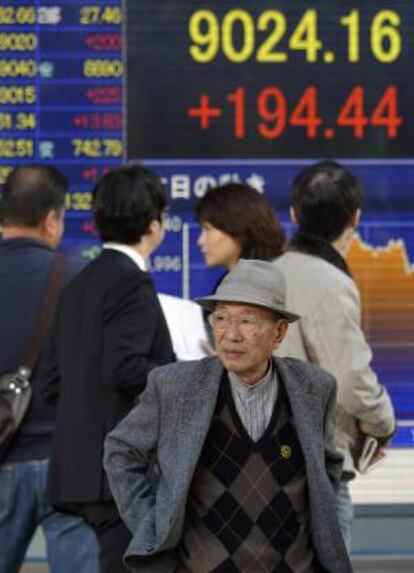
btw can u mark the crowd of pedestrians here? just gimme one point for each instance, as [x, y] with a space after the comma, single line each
[238, 462]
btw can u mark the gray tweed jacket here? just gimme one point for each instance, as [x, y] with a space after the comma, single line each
[172, 420]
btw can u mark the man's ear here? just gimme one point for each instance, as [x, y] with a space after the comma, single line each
[355, 219]
[51, 227]
[281, 330]
[154, 227]
[293, 216]
[155, 234]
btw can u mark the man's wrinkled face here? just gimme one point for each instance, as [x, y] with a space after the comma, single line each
[245, 336]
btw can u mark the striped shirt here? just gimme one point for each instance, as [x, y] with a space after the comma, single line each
[254, 402]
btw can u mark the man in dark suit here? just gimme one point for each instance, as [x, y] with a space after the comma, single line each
[244, 448]
[32, 215]
[109, 333]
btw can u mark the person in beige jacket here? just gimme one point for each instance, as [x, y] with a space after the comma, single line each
[326, 207]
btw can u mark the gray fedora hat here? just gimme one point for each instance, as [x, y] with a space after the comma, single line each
[255, 282]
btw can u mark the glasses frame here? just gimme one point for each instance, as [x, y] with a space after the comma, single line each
[248, 326]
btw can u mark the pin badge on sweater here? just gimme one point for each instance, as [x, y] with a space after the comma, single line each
[286, 452]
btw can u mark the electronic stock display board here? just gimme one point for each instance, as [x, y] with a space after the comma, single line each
[209, 92]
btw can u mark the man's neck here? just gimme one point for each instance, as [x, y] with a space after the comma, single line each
[22, 233]
[130, 251]
[141, 249]
[343, 242]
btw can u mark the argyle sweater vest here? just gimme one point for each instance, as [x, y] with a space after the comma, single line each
[247, 509]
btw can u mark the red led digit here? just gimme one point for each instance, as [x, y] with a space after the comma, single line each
[271, 105]
[238, 98]
[351, 113]
[305, 113]
[385, 114]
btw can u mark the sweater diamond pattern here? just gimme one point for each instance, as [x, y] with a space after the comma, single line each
[246, 506]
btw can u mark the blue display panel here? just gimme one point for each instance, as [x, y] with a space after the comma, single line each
[61, 74]
[291, 82]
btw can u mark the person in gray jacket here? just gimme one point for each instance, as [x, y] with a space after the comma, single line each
[327, 200]
[242, 445]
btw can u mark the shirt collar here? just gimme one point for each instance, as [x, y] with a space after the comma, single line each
[270, 375]
[129, 252]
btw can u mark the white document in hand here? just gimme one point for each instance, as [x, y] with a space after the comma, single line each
[186, 325]
[369, 449]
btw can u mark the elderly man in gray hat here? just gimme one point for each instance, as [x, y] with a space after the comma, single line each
[227, 464]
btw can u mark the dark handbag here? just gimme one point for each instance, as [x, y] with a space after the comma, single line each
[15, 388]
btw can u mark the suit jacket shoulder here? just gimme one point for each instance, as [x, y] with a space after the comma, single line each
[321, 279]
[110, 268]
[185, 379]
[107, 283]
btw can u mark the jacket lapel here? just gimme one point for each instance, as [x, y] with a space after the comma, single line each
[305, 404]
[195, 413]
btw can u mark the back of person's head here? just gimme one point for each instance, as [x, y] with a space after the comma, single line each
[246, 215]
[326, 197]
[125, 202]
[31, 192]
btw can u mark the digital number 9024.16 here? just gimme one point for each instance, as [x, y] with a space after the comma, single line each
[240, 37]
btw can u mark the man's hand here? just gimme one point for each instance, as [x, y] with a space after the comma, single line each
[379, 455]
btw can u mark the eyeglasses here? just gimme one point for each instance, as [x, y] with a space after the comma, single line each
[246, 325]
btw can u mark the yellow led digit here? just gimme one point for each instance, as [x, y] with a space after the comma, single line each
[352, 22]
[204, 32]
[25, 120]
[89, 15]
[5, 171]
[277, 22]
[386, 36]
[305, 36]
[6, 15]
[243, 19]
[25, 15]
[112, 147]
[80, 201]
[5, 121]
[29, 94]
[111, 15]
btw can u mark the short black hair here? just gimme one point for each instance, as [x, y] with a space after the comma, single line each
[30, 192]
[325, 197]
[247, 216]
[125, 202]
